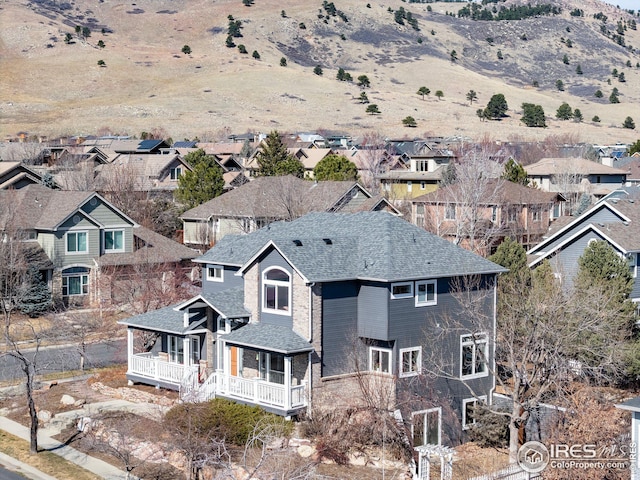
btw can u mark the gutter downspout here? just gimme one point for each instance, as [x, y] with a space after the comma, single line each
[310, 338]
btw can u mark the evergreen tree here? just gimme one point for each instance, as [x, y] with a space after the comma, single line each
[36, 298]
[449, 175]
[409, 121]
[497, 107]
[335, 167]
[363, 81]
[514, 172]
[510, 254]
[48, 181]
[423, 91]
[629, 123]
[201, 184]
[577, 115]
[583, 204]
[564, 112]
[634, 147]
[372, 109]
[317, 70]
[533, 115]
[275, 160]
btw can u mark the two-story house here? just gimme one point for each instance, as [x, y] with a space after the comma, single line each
[574, 177]
[83, 235]
[296, 315]
[267, 199]
[615, 220]
[489, 212]
[421, 174]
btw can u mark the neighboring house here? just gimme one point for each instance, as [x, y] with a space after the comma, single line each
[575, 176]
[267, 199]
[299, 315]
[150, 173]
[16, 175]
[309, 157]
[615, 221]
[489, 211]
[423, 175]
[81, 234]
[633, 406]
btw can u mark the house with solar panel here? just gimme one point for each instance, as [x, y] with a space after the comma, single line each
[297, 315]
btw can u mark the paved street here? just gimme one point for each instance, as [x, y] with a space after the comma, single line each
[63, 358]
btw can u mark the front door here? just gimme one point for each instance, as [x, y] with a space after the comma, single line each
[234, 362]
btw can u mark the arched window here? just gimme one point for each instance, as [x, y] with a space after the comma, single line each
[276, 291]
[75, 281]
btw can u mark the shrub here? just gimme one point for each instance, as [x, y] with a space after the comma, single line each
[255, 55]
[598, 94]
[317, 70]
[596, 119]
[222, 418]
[409, 121]
[101, 63]
[186, 50]
[283, 62]
[629, 123]
[242, 48]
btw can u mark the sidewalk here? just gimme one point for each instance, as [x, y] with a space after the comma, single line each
[94, 465]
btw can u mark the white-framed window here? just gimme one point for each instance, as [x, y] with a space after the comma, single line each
[194, 350]
[450, 211]
[75, 281]
[175, 173]
[276, 291]
[474, 351]
[76, 242]
[272, 367]
[114, 241]
[469, 410]
[410, 361]
[402, 290]
[426, 426]
[176, 349]
[512, 215]
[380, 359]
[409, 186]
[536, 214]
[426, 293]
[387, 186]
[633, 264]
[215, 273]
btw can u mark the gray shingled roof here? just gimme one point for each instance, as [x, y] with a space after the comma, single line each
[166, 319]
[228, 303]
[364, 245]
[632, 404]
[265, 336]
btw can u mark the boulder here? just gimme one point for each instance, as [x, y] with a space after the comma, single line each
[67, 400]
[44, 415]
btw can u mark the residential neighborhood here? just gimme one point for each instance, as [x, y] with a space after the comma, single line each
[403, 285]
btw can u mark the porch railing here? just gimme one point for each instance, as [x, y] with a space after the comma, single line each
[260, 392]
[146, 365]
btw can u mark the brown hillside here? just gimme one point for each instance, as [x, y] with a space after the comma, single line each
[50, 87]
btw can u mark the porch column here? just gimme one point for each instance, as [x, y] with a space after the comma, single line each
[186, 352]
[287, 382]
[129, 348]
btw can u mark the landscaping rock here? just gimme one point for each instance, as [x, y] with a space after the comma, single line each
[306, 451]
[67, 400]
[44, 416]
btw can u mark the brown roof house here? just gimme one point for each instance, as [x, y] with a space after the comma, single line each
[479, 217]
[575, 176]
[267, 199]
[15, 175]
[90, 245]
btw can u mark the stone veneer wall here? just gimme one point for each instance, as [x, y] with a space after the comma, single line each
[300, 307]
[251, 285]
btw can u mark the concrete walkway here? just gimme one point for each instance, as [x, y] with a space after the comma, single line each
[94, 465]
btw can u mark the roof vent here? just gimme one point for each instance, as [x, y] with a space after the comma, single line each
[625, 223]
[614, 200]
[631, 200]
[328, 241]
[297, 243]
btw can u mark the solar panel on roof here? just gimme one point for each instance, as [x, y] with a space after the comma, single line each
[148, 144]
[185, 144]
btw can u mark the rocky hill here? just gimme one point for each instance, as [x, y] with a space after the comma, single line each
[86, 67]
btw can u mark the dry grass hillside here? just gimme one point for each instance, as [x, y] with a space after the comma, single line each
[50, 87]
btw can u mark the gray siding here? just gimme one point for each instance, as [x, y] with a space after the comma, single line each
[565, 262]
[104, 214]
[373, 311]
[230, 280]
[604, 215]
[339, 318]
[635, 292]
[274, 259]
[78, 223]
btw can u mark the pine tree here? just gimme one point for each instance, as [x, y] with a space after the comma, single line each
[274, 159]
[514, 172]
[36, 298]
